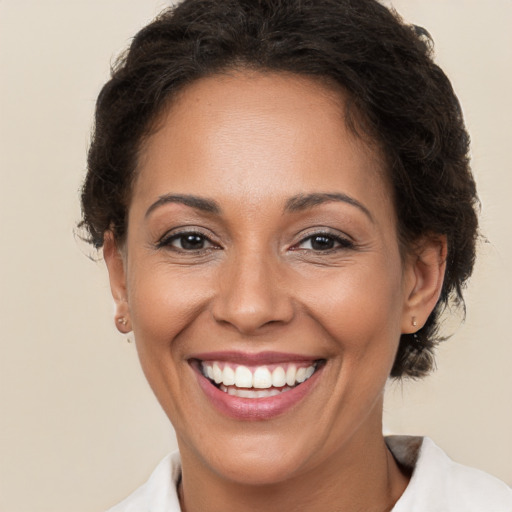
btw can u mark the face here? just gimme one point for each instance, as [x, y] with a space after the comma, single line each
[262, 276]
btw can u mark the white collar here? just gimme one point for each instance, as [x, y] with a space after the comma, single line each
[437, 484]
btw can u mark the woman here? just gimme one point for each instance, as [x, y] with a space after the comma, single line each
[283, 197]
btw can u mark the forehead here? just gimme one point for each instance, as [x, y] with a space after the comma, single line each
[257, 136]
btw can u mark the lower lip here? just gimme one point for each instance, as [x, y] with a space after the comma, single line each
[256, 409]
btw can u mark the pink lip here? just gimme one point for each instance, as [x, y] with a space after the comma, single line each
[256, 409]
[261, 358]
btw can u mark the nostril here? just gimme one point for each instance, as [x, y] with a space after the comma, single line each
[248, 320]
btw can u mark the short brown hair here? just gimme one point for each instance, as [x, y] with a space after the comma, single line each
[385, 66]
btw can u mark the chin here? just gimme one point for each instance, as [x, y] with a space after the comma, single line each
[258, 463]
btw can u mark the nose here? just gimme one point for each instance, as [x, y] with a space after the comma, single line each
[252, 294]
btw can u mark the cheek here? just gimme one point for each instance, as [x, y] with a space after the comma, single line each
[164, 304]
[359, 305]
[164, 307]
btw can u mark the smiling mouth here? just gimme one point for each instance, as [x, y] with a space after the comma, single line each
[257, 381]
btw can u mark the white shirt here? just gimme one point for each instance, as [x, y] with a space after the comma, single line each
[437, 484]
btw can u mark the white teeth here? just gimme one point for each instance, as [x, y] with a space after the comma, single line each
[301, 375]
[252, 393]
[290, 374]
[228, 376]
[217, 373]
[262, 378]
[278, 377]
[243, 377]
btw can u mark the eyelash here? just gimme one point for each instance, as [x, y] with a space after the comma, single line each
[167, 240]
[342, 243]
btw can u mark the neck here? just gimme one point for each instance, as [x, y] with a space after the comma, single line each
[362, 475]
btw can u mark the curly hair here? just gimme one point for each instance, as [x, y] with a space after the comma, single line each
[384, 65]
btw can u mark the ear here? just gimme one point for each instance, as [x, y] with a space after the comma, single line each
[424, 276]
[116, 263]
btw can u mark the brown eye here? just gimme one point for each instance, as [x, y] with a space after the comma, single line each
[188, 241]
[324, 242]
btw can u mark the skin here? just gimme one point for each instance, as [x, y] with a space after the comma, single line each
[250, 142]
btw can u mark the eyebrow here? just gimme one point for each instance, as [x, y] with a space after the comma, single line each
[199, 203]
[296, 203]
[303, 202]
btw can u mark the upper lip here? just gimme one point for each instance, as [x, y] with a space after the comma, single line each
[247, 358]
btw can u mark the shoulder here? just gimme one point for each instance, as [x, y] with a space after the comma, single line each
[439, 484]
[158, 494]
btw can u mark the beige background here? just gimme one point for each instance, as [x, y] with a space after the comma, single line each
[79, 428]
